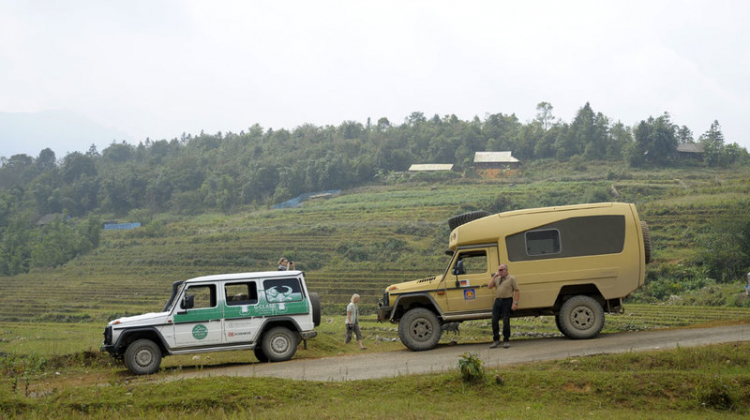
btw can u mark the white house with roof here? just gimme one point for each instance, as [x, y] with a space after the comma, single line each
[495, 160]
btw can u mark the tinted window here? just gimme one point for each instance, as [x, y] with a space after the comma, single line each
[204, 296]
[574, 237]
[241, 293]
[283, 290]
[543, 242]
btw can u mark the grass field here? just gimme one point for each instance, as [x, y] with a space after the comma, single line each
[705, 382]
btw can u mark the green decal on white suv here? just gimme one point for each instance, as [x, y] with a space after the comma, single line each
[266, 309]
[200, 332]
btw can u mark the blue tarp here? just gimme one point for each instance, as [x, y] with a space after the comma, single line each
[297, 201]
[121, 226]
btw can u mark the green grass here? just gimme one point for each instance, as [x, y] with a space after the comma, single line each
[704, 382]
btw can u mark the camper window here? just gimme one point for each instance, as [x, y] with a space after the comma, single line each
[543, 242]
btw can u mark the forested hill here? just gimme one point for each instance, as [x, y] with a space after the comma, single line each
[221, 171]
[226, 172]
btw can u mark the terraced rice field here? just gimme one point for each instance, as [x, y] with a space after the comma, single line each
[359, 242]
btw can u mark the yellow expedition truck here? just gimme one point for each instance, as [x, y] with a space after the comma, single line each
[574, 262]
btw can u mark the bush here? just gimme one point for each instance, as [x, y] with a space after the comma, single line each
[471, 368]
[726, 244]
[717, 394]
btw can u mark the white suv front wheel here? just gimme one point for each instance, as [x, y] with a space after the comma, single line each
[142, 357]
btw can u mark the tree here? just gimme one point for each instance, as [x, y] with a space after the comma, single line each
[544, 114]
[725, 245]
[684, 135]
[713, 144]
[15, 247]
[655, 141]
[18, 170]
[383, 124]
[415, 118]
[621, 137]
[498, 129]
[76, 165]
[46, 160]
[118, 153]
[579, 134]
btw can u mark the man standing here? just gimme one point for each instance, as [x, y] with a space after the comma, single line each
[506, 299]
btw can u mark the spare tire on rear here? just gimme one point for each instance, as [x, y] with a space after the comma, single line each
[315, 304]
[461, 219]
[646, 241]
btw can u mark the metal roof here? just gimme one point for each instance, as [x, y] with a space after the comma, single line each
[494, 157]
[690, 148]
[420, 167]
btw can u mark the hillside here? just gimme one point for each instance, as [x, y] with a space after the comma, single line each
[367, 238]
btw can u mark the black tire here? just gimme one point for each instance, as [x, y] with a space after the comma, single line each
[581, 317]
[646, 241]
[142, 357]
[279, 344]
[461, 219]
[315, 304]
[419, 329]
[258, 351]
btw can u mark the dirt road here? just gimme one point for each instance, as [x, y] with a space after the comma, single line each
[405, 362]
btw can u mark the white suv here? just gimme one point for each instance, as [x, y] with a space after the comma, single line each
[268, 312]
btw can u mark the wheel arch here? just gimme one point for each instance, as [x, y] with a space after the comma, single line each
[589, 289]
[127, 337]
[410, 301]
[289, 323]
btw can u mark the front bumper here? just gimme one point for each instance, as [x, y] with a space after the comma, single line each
[107, 344]
[384, 312]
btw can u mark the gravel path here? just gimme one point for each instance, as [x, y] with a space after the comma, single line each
[443, 358]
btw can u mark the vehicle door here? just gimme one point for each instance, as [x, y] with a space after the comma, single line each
[467, 277]
[198, 317]
[241, 315]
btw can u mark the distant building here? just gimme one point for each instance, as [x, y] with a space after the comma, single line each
[689, 151]
[495, 160]
[49, 218]
[431, 167]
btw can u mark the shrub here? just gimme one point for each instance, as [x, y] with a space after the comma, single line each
[717, 394]
[471, 368]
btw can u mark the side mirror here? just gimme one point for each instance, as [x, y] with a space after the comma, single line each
[188, 302]
[459, 268]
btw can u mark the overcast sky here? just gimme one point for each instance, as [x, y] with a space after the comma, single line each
[159, 68]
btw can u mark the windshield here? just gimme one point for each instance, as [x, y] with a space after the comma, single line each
[176, 290]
